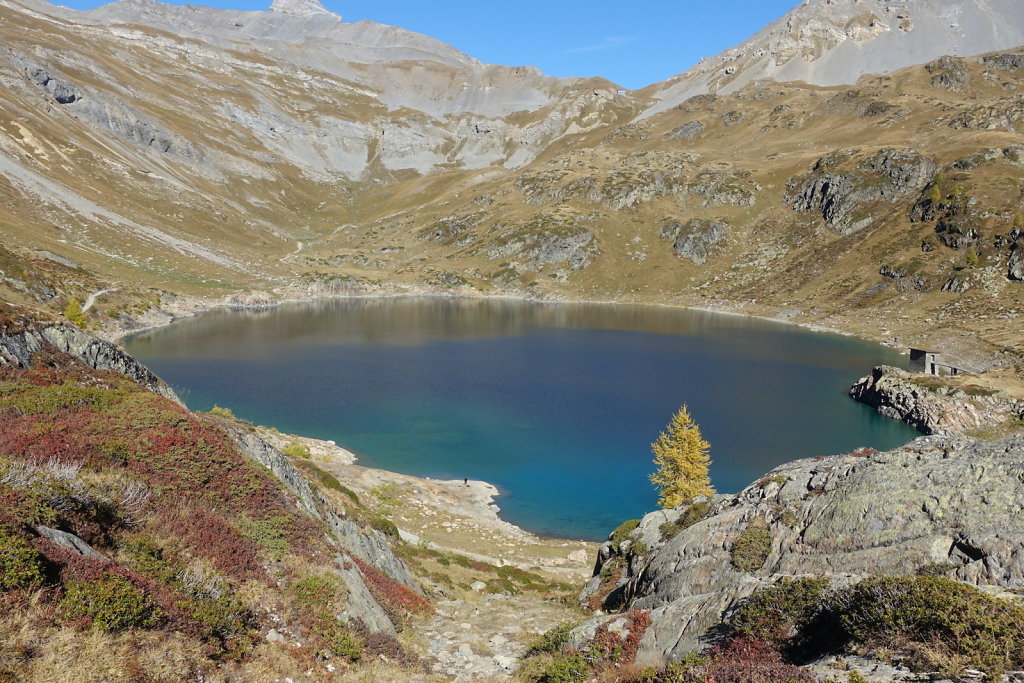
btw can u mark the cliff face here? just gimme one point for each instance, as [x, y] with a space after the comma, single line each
[951, 502]
[16, 349]
[931, 407]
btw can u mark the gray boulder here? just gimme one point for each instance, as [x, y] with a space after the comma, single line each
[263, 452]
[1015, 266]
[687, 131]
[1004, 62]
[371, 546]
[359, 601]
[949, 72]
[69, 541]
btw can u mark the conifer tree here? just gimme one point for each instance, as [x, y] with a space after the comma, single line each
[681, 456]
[73, 312]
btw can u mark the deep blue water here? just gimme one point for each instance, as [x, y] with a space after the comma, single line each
[556, 404]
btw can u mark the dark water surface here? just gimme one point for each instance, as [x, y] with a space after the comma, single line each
[556, 404]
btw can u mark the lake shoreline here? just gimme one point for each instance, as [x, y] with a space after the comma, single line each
[256, 302]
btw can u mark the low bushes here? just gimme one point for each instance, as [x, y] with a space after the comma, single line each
[689, 517]
[549, 660]
[750, 550]
[20, 564]
[937, 623]
[110, 603]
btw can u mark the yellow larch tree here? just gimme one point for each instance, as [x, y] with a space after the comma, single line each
[681, 457]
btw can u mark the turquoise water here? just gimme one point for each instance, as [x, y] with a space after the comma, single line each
[556, 404]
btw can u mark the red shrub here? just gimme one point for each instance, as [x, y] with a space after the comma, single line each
[207, 535]
[744, 659]
[400, 601]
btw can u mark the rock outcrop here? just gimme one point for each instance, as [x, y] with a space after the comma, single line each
[845, 197]
[17, 349]
[930, 406]
[696, 238]
[940, 501]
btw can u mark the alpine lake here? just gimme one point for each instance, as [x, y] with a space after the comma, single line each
[555, 404]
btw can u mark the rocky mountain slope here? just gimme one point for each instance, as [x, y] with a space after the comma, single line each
[153, 151]
[835, 42]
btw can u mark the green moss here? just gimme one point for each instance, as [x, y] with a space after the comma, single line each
[750, 550]
[316, 591]
[111, 602]
[21, 565]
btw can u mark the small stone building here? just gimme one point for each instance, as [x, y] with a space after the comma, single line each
[931, 363]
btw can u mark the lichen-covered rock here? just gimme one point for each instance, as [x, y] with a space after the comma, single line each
[69, 541]
[1004, 62]
[359, 601]
[845, 196]
[905, 281]
[938, 500]
[923, 402]
[1015, 265]
[696, 238]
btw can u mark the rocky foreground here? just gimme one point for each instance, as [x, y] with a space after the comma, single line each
[947, 505]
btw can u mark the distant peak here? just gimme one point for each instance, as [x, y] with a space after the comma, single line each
[300, 8]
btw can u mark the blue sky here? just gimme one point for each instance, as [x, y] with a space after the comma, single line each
[632, 44]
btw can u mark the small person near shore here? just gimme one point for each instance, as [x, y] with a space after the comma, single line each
[465, 480]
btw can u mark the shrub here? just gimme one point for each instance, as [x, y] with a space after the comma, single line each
[779, 612]
[744, 659]
[385, 526]
[693, 514]
[225, 413]
[317, 591]
[552, 640]
[397, 600]
[750, 550]
[111, 603]
[270, 533]
[956, 624]
[295, 449]
[20, 564]
[622, 532]
[567, 668]
[337, 636]
[223, 617]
